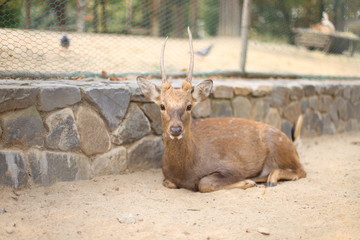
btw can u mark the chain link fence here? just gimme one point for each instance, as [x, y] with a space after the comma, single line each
[117, 38]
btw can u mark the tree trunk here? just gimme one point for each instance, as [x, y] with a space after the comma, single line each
[339, 15]
[165, 17]
[194, 15]
[155, 24]
[95, 13]
[229, 18]
[59, 6]
[321, 9]
[80, 15]
[28, 13]
[287, 19]
[104, 16]
[128, 15]
[178, 18]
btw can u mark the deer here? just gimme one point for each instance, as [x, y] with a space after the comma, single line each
[212, 154]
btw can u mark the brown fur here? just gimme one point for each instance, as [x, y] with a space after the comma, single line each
[219, 153]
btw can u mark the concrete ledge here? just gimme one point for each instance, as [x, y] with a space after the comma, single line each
[65, 130]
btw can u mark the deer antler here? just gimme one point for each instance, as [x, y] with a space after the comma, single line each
[162, 67]
[191, 66]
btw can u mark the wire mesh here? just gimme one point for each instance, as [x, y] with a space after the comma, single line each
[60, 37]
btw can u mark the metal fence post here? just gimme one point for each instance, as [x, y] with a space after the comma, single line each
[245, 25]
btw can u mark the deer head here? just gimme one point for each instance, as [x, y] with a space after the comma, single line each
[176, 104]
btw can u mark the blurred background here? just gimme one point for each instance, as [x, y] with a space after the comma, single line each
[124, 37]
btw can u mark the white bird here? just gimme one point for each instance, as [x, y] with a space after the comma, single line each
[326, 22]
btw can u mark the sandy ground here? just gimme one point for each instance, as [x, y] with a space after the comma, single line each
[31, 50]
[325, 205]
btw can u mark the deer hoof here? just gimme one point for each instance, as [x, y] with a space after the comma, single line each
[251, 182]
[167, 183]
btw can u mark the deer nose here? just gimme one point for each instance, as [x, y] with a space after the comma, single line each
[176, 131]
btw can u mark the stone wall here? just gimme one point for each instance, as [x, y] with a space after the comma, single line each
[63, 130]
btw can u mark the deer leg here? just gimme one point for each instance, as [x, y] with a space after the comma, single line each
[260, 179]
[284, 174]
[216, 181]
[167, 183]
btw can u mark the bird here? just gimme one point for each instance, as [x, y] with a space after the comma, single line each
[204, 51]
[327, 23]
[65, 41]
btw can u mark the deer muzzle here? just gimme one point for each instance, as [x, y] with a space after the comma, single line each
[176, 131]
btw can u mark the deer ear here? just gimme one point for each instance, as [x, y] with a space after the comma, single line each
[202, 90]
[150, 90]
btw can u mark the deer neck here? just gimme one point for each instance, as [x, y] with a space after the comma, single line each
[179, 151]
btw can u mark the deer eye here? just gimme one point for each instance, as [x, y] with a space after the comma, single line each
[162, 107]
[188, 108]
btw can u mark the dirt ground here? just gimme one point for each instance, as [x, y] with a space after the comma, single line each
[325, 205]
[32, 50]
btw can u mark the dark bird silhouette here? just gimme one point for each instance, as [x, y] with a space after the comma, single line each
[65, 41]
[204, 51]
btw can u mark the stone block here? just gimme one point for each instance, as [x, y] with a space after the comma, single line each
[355, 94]
[280, 97]
[344, 92]
[329, 89]
[53, 97]
[112, 162]
[313, 123]
[221, 108]
[314, 103]
[342, 108]
[296, 93]
[63, 134]
[202, 109]
[325, 102]
[287, 127]
[261, 106]
[223, 92]
[309, 90]
[152, 111]
[24, 127]
[133, 127]
[292, 112]
[136, 94]
[111, 102]
[304, 103]
[328, 125]
[261, 91]
[145, 153]
[242, 107]
[357, 111]
[242, 91]
[94, 137]
[12, 169]
[15, 97]
[273, 118]
[351, 109]
[334, 114]
[49, 167]
[352, 125]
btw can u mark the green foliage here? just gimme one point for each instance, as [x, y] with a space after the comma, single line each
[209, 12]
[10, 13]
[271, 19]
